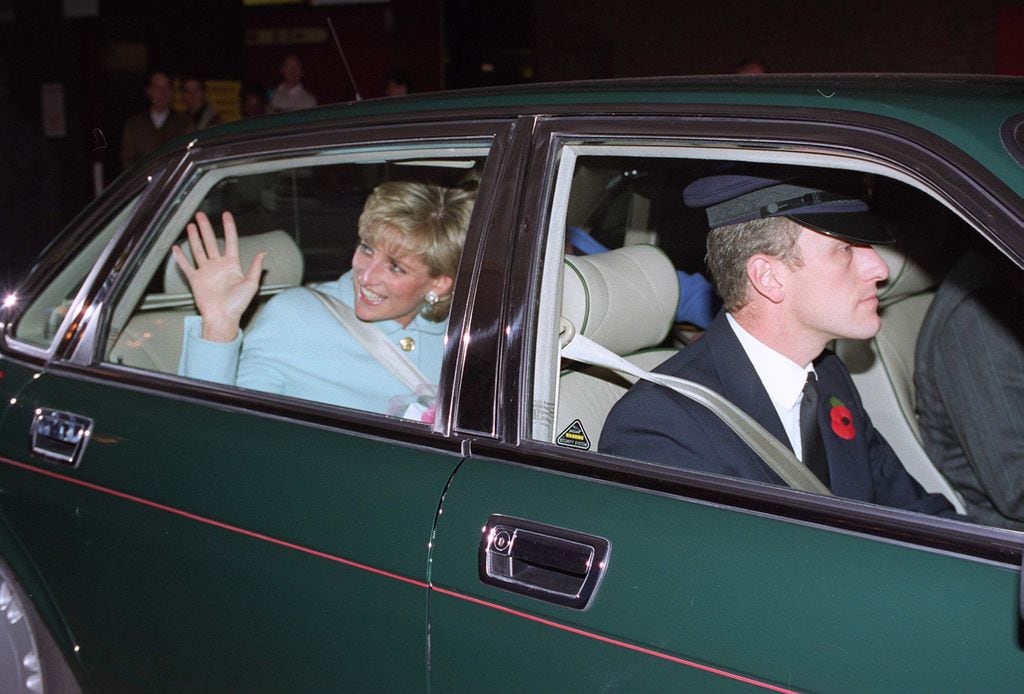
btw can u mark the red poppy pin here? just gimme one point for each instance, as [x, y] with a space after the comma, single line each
[842, 419]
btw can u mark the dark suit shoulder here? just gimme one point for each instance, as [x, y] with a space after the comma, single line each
[693, 363]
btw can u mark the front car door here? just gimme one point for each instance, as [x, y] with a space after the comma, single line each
[564, 569]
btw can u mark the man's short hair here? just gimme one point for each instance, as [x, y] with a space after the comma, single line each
[729, 248]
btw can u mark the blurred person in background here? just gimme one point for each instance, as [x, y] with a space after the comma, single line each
[397, 84]
[146, 131]
[254, 101]
[750, 66]
[290, 95]
[202, 113]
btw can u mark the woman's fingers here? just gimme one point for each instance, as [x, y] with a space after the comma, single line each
[252, 275]
[211, 267]
[195, 245]
[210, 246]
[230, 235]
[182, 262]
[202, 238]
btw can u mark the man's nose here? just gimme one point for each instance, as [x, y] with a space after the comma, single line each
[874, 268]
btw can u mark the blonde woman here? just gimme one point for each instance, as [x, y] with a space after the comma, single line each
[400, 284]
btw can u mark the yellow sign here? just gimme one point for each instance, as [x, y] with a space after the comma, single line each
[224, 95]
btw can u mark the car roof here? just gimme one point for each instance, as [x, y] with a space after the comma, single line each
[968, 111]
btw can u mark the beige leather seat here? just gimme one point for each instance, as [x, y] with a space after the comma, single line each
[883, 367]
[152, 338]
[625, 300]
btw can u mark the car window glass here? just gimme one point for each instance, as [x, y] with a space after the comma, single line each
[628, 200]
[304, 215]
[44, 316]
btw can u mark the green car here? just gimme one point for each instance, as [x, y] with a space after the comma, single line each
[170, 532]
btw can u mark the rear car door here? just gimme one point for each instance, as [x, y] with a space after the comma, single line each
[192, 536]
[563, 569]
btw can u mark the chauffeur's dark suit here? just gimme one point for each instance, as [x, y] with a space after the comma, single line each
[655, 424]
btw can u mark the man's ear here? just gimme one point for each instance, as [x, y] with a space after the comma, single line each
[764, 278]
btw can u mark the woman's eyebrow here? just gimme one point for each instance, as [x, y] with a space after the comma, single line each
[395, 252]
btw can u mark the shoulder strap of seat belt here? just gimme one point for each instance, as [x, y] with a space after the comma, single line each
[377, 344]
[767, 447]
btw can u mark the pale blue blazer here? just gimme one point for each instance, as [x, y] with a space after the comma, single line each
[297, 348]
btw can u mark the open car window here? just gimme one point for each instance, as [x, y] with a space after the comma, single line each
[655, 298]
[303, 212]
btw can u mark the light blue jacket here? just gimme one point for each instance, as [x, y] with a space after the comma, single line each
[297, 348]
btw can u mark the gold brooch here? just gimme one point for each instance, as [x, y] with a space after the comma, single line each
[407, 344]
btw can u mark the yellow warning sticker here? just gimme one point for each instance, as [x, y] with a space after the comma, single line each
[574, 437]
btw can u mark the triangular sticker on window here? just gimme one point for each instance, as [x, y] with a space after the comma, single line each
[574, 436]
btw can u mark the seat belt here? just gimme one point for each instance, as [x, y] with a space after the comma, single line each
[378, 346]
[768, 448]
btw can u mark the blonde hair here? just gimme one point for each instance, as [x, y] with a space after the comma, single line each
[431, 222]
[729, 248]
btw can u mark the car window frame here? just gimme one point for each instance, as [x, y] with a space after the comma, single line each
[85, 358]
[128, 196]
[902, 151]
[207, 174]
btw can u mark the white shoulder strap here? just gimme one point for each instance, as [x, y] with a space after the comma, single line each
[378, 345]
[765, 446]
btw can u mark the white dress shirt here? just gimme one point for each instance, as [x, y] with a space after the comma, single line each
[782, 377]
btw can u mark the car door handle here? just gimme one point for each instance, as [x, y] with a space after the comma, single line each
[60, 436]
[548, 563]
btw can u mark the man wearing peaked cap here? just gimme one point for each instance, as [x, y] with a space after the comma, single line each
[732, 199]
[795, 269]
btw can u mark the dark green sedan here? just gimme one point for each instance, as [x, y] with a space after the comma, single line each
[170, 532]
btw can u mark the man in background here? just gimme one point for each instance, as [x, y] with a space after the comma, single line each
[290, 95]
[201, 111]
[146, 131]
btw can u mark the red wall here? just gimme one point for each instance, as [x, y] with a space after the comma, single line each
[1010, 40]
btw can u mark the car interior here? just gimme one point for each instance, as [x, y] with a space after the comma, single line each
[305, 217]
[626, 198]
[636, 202]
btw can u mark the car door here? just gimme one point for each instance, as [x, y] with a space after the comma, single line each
[562, 569]
[198, 537]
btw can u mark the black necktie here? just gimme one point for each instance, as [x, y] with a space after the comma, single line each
[810, 433]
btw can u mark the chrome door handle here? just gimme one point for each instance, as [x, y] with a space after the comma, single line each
[553, 564]
[60, 436]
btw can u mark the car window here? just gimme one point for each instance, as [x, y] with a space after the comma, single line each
[625, 266]
[42, 319]
[344, 317]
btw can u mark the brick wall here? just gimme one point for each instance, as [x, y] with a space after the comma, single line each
[576, 39]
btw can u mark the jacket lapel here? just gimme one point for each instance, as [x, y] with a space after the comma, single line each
[843, 429]
[741, 384]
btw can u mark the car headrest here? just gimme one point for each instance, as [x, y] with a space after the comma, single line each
[624, 299]
[283, 266]
[910, 273]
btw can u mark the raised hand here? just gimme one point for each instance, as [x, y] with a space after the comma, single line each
[220, 289]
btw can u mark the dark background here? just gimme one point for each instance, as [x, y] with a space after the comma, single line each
[100, 51]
